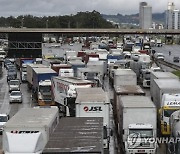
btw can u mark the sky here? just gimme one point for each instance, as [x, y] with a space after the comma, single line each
[67, 7]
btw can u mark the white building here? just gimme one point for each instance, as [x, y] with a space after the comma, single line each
[172, 17]
[145, 16]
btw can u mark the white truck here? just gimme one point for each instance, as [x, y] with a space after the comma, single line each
[82, 135]
[136, 129]
[99, 66]
[64, 94]
[28, 131]
[158, 43]
[70, 54]
[145, 77]
[173, 147]
[165, 94]
[159, 75]
[66, 72]
[30, 72]
[94, 102]
[90, 74]
[124, 77]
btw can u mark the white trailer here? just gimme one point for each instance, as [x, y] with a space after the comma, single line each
[133, 121]
[30, 72]
[82, 135]
[175, 127]
[166, 93]
[28, 131]
[99, 66]
[124, 77]
[94, 102]
[64, 94]
[90, 74]
[160, 75]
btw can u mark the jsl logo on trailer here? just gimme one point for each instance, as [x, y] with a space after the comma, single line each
[93, 108]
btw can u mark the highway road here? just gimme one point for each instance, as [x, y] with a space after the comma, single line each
[175, 51]
[11, 109]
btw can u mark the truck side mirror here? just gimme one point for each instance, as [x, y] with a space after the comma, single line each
[111, 132]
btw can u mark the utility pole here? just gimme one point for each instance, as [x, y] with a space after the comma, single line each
[22, 22]
[47, 23]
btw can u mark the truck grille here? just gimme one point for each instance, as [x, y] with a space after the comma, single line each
[148, 83]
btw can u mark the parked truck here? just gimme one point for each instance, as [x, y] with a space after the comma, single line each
[124, 77]
[64, 94]
[23, 69]
[75, 65]
[21, 64]
[90, 56]
[90, 74]
[30, 73]
[173, 147]
[159, 75]
[28, 131]
[123, 63]
[76, 135]
[42, 85]
[166, 92]
[99, 66]
[94, 102]
[135, 128]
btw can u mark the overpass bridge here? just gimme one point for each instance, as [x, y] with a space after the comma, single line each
[87, 31]
[26, 42]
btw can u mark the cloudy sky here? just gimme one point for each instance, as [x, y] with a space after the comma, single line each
[67, 7]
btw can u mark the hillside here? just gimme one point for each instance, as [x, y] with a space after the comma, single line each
[134, 18]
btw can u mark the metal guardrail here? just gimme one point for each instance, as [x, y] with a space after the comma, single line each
[171, 65]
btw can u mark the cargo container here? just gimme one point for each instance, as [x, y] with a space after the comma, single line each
[30, 73]
[29, 129]
[64, 94]
[75, 65]
[86, 138]
[94, 102]
[90, 74]
[159, 75]
[124, 77]
[166, 93]
[42, 85]
[133, 122]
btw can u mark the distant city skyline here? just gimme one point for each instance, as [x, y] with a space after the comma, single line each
[67, 7]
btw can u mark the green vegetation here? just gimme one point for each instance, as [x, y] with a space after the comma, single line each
[80, 20]
[176, 73]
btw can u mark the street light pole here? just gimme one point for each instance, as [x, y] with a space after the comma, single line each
[22, 22]
[47, 23]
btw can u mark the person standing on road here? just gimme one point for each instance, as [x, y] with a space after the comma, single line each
[169, 53]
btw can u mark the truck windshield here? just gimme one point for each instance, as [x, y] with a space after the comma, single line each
[14, 82]
[141, 132]
[167, 113]
[3, 119]
[24, 69]
[147, 76]
[45, 88]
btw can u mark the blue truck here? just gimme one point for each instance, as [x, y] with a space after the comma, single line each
[42, 85]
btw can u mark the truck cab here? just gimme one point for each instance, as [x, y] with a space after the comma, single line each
[170, 104]
[44, 93]
[145, 77]
[139, 139]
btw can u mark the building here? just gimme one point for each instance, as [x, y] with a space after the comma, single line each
[145, 16]
[172, 17]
